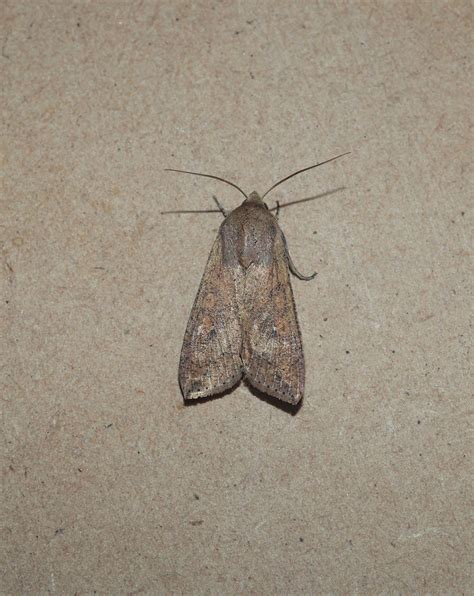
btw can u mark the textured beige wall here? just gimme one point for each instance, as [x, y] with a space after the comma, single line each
[109, 483]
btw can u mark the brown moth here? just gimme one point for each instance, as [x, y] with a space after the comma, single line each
[243, 323]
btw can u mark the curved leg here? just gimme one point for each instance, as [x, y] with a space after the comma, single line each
[295, 271]
[221, 208]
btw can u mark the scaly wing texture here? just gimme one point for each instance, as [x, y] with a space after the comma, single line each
[210, 357]
[272, 350]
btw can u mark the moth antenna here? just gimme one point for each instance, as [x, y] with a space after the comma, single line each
[192, 211]
[320, 196]
[301, 171]
[207, 176]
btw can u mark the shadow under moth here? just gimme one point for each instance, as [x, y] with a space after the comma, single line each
[243, 323]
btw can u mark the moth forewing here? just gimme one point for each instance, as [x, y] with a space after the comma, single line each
[210, 357]
[272, 348]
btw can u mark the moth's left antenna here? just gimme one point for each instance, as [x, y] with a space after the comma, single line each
[208, 176]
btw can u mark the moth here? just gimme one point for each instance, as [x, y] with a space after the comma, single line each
[243, 323]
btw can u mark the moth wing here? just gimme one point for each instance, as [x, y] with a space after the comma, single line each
[210, 357]
[272, 350]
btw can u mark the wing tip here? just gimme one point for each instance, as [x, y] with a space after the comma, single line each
[195, 389]
[286, 395]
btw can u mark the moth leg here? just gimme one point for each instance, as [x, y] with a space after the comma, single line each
[295, 271]
[277, 211]
[221, 208]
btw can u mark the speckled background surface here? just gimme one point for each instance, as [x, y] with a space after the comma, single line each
[110, 484]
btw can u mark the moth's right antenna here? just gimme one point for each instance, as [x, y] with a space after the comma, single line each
[208, 176]
[303, 170]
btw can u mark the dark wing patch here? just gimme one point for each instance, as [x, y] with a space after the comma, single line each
[210, 357]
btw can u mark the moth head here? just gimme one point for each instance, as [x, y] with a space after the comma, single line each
[255, 199]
